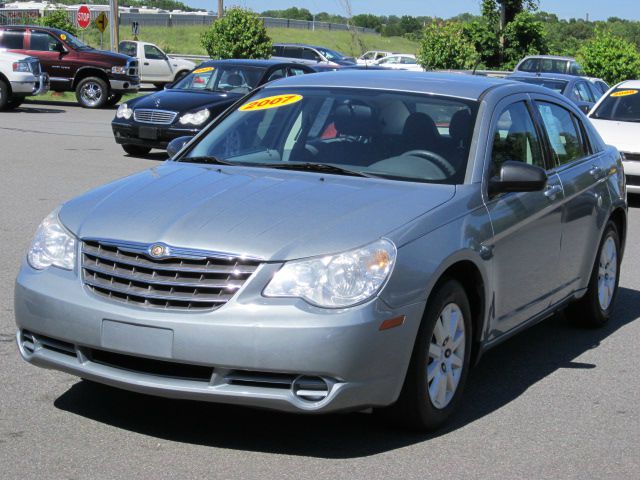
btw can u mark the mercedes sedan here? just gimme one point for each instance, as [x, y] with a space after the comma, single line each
[333, 242]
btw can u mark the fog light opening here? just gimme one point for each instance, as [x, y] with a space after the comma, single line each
[310, 389]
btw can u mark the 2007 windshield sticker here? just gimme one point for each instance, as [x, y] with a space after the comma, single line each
[624, 93]
[270, 102]
[203, 70]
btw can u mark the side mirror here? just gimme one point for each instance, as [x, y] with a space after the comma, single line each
[518, 177]
[176, 145]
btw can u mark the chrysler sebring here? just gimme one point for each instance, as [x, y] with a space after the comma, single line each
[333, 242]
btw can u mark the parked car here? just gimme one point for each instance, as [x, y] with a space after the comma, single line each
[617, 118]
[20, 77]
[371, 56]
[550, 64]
[333, 242]
[185, 107]
[98, 78]
[400, 61]
[600, 84]
[310, 54]
[155, 66]
[577, 89]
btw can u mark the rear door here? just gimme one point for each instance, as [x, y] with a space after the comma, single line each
[583, 173]
[527, 225]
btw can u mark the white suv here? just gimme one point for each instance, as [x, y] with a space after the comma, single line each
[20, 77]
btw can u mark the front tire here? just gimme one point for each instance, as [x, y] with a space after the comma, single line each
[5, 95]
[113, 99]
[439, 364]
[14, 102]
[594, 309]
[136, 150]
[92, 92]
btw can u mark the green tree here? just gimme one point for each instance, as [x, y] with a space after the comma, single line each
[239, 34]
[523, 36]
[609, 57]
[445, 47]
[367, 20]
[57, 18]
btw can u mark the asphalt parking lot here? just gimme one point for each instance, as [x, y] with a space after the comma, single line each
[554, 402]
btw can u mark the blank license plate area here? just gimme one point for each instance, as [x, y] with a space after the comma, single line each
[148, 133]
[137, 339]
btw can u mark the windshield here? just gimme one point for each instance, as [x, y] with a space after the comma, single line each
[623, 104]
[392, 135]
[74, 43]
[330, 54]
[555, 85]
[229, 78]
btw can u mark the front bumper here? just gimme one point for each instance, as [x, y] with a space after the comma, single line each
[148, 135]
[125, 84]
[31, 85]
[250, 336]
[632, 174]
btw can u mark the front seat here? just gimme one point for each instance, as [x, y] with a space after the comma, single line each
[420, 133]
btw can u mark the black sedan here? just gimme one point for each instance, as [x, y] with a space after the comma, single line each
[184, 108]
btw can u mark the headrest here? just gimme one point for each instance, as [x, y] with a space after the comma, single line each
[460, 125]
[353, 119]
[235, 80]
[420, 126]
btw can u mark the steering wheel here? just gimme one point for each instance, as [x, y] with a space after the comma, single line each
[439, 161]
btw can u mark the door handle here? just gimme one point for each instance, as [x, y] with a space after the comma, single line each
[596, 172]
[551, 191]
[146, 63]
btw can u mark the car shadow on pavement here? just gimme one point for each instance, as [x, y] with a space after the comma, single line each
[519, 363]
[158, 156]
[24, 108]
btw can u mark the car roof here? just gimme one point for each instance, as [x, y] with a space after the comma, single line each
[629, 84]
[547, 76]
[455, 85]
[550, 57]
[300, 45]
[251, 63]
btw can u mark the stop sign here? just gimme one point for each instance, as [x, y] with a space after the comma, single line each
[83, 17]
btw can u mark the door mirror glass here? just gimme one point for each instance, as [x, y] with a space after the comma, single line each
[517, 177]
[176, 145]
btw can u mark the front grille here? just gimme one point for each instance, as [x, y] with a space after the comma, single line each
[632, 156]
[633, 180]
[132, 68]
[188, 280]
[158, 117]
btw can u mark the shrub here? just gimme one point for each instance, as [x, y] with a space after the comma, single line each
[446, 47]
[609, 57]
[239, 34]
[58, 18]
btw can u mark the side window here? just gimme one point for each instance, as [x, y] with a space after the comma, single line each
[277, 51]
[408, 60]
[12, 39]
[529, 66]
[515, 138]
[43, 42]
[563, 132]
[293, 71]
[380, 55]
[575, 69]
[277, 74]
[368, 56]
[309, 54]
[583, 92]
[153, 53]
[292, 52]
[595, 91]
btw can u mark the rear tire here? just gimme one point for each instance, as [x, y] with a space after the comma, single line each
[92, 92]
[159, 86]
[14, 102]
[439, 364]
[594, 309]
[136, 150]
[5, 95]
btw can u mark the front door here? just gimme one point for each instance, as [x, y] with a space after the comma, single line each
[53, 56]
[527, 226]
[155, 65]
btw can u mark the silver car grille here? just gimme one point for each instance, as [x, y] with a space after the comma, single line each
[188, 280]
[158, 117]
[132, 68]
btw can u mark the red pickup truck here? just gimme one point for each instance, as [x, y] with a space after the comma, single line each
[98, 78]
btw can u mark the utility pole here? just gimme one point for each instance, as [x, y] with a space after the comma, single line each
[220, 8]
[113, 24]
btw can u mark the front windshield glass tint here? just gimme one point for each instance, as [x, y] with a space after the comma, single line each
[73, 42]
[387, 134]
[623, 104]
[232, 79]
[555, 85]
[330, 54]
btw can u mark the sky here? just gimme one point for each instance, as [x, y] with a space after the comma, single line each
[597, 9]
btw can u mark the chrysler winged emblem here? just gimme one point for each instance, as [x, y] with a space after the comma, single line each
[158, 250]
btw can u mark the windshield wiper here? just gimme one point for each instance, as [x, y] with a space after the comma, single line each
[315, 167]
[206, 159]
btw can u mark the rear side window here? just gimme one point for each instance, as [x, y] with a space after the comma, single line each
[576, 69]
[564, 134]
[292, 52]
[12, 39]
[549, 65]
[515, 138]
[583, 92]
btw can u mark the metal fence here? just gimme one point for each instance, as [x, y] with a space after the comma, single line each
[13, 17]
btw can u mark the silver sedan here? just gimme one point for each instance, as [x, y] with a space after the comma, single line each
[333, 242]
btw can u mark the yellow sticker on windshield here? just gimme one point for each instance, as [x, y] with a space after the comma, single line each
[63, 36]
[624, 93]
[203, 70]
[270, 102]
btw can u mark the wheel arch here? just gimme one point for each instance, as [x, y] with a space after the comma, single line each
[6, 80]
[85, 72]
[619, 218]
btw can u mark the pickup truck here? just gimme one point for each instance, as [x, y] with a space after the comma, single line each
[20, 77]
[98, 78]
[155, 66]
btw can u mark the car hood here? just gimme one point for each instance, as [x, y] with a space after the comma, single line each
[625, 136]
[105, 57]
[266, 213]
[183, 100]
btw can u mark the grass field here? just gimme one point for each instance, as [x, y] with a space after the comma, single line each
[187, 39]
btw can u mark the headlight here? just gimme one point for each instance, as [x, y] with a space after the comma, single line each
[124, 111]
[52, 245]
[336, 281]
[197, 118]
[21, 67]
[119, 70]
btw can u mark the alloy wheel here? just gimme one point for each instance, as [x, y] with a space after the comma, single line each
[607, 272]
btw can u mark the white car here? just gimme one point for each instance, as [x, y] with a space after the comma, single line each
[616, 116]
[155, 66]
[20, 77]
[372, 56]
[399, 61]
